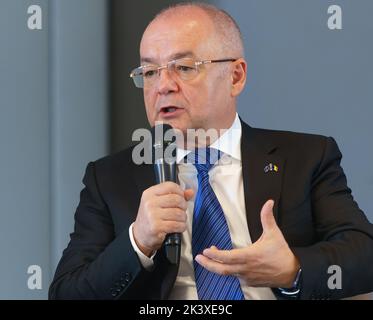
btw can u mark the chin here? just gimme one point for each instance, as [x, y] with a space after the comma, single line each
[179, 125]
[174, 123]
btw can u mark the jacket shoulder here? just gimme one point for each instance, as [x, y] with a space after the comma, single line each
[112, 165]
[306, 146]
[291, 138]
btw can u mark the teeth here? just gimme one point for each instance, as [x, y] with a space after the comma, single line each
[170, 109]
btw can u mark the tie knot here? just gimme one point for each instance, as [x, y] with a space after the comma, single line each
[204, 158]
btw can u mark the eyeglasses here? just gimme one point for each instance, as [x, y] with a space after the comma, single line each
[185, 69]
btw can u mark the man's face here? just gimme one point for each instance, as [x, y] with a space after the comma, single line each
[203, 102]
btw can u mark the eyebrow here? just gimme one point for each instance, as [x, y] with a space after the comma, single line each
[179, 55]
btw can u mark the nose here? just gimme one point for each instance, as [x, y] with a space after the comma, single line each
[166, 82]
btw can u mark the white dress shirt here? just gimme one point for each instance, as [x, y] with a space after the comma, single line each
[226, 181]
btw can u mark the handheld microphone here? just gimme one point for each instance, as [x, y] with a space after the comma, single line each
[164, 156]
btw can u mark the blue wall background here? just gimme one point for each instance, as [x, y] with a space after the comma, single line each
[53, 120]
[305, 77]
[66, 99]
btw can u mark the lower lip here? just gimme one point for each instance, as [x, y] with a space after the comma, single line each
[173, 114]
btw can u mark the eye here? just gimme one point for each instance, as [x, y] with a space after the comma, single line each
[184, 68]
[149, 73]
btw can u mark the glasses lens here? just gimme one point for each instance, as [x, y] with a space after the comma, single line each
[137, 76]
[150, 75]
[146, 76]
[186, 69]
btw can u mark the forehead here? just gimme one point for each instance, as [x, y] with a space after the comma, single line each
[174, 35]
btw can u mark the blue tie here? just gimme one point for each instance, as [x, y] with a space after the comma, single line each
[210, 228]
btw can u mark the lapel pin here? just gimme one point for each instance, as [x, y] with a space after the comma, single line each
[270, 167]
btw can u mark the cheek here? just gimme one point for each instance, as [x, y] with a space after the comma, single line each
[219, 91]
[210, 97]
[149, 101]
[198, 98]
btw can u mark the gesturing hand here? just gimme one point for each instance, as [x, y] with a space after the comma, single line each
[268, 262]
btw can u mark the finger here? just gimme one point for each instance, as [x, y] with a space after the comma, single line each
[234, 256]
[217, 267]
[167, 188]
[173, 227]
[172, 201]
[173, 214]
[266, 216]
[188, 194]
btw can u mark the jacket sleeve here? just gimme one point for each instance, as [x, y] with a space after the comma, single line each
[97, 264]
[344, 233]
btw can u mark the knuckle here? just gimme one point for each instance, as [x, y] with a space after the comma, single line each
[183, 226]
[182, 215]
[170, 185]
[182, 203]
[178, 201]
[148, 206]
[180, 227]
[176, 215]
[144, 196]
[148, 192]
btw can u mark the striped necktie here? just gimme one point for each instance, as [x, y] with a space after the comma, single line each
[210, 228]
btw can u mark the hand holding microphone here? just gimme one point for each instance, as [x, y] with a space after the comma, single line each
[162, 212]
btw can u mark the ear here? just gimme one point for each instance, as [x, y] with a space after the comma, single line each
[239, 73]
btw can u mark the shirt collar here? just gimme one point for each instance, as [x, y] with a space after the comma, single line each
[228, 143]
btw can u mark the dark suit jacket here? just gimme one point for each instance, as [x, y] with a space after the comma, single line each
[314, 209]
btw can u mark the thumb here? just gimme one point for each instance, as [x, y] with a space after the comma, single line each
[188, 194]
[266, 216]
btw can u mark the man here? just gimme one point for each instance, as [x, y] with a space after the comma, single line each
[284, 211]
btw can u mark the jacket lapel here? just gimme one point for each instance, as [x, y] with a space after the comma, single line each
[262, 181]
[144, 176]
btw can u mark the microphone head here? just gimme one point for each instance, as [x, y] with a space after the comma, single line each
[163, 142]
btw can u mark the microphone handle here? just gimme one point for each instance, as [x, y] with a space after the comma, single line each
[172, 246]
[166, 171]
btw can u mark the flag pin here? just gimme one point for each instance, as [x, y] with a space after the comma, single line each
[271, 167]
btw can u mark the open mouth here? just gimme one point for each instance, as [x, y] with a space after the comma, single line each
[169, 110]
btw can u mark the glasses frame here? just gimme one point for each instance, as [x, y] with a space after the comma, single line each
[166, 66]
